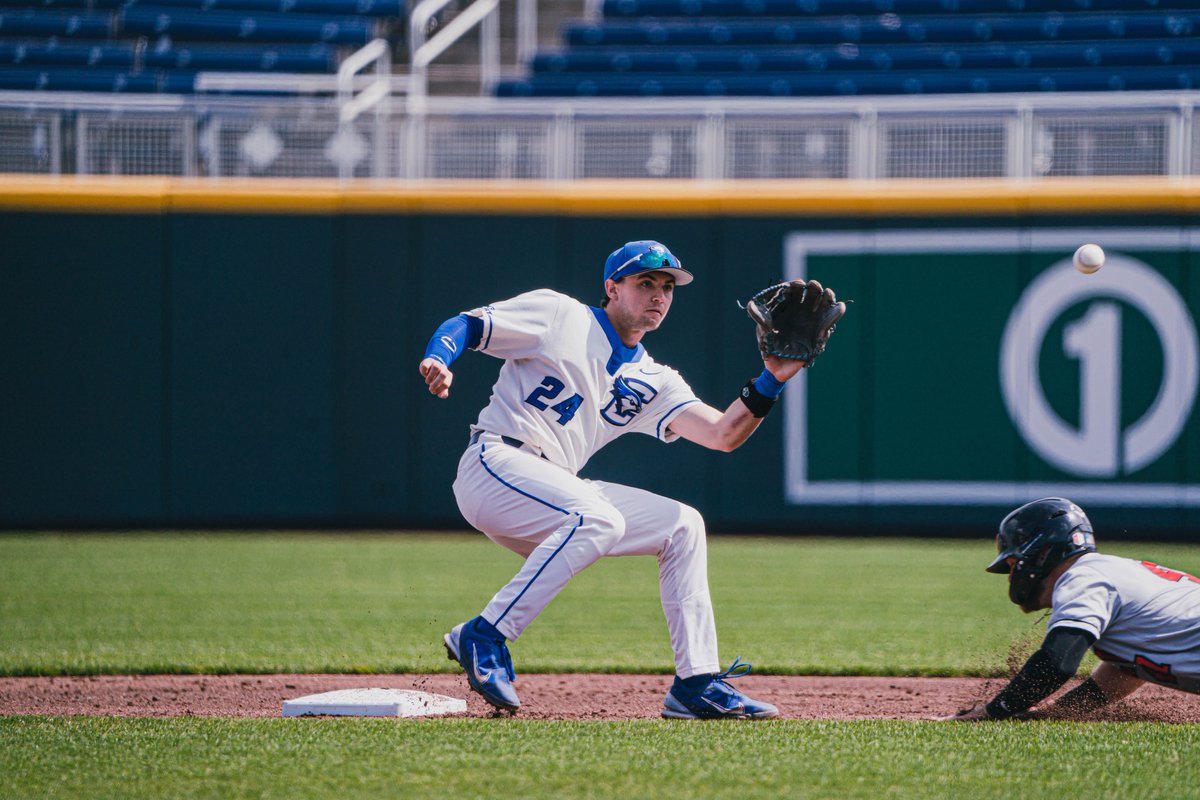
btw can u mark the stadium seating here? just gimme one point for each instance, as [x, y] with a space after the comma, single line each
[97, 80]
[160, 45]
[867, 47]
[637, 47]
[364, 8]
[813, 8]
[872, 57]
[165, 55]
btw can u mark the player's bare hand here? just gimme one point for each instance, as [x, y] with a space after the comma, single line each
[976, 713]
[783, 368]
[438, 377]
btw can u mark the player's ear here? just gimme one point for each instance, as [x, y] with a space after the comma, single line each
[610, 288]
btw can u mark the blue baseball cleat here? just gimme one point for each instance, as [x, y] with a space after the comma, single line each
[714, 698]
[484, 656]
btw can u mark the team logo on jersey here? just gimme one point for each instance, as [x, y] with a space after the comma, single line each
[629, 396]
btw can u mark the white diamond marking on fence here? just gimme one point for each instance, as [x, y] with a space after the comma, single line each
[346, 149]
[261, 146]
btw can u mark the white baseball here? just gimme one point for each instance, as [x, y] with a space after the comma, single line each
[1089, 258]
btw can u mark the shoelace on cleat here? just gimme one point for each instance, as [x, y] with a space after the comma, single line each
[737, 669]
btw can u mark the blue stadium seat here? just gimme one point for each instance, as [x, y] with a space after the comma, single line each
[812, 8]
[27, 22]
[363, 8]
[51, 52]
[165, 54]
[236, 27]
[992, 55]
[645, 47]
[813, 47]
[261, 58]
[95, 80]
[832, 84]
[59, 5]
[878, 30]
[65, 6]
[160, 45]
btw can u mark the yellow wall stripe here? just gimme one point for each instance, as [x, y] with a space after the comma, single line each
[88, 194]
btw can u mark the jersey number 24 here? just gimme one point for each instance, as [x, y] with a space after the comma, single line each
[550, 389]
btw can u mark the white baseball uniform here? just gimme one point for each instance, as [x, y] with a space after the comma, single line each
[1146, 618]
[568, 387]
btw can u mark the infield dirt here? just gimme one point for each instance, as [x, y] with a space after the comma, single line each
[544, 696]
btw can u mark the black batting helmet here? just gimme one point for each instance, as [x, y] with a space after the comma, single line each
[1040, 536]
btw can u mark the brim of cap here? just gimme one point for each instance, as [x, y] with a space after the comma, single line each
[1000, 565]
[682, 276]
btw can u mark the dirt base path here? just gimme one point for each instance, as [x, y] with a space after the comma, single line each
[566, 696]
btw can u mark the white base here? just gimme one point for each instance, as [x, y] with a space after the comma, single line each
[373, 703]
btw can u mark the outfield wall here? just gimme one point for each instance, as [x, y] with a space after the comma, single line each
[203, 353]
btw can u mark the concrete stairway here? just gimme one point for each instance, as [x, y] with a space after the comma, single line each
[456, 71]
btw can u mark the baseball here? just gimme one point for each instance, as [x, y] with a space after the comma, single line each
[1089, 258]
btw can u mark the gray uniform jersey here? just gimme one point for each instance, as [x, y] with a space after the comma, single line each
[1145, 617]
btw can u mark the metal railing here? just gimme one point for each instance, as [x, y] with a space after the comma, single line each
[1016, 136]
[375, 96]
[384, 125]
[484, 13]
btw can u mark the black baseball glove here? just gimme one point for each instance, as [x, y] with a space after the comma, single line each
[795, 319]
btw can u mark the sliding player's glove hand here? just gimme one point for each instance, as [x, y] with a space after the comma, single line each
[795, 319]
[976, 713]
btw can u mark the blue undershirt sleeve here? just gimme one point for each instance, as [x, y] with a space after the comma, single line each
[768, 385]
[453, 337]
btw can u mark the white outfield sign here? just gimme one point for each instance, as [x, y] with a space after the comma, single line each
[1099, 448]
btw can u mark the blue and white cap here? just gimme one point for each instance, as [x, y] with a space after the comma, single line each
[644, 256]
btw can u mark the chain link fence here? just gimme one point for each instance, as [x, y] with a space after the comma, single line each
[493, 139]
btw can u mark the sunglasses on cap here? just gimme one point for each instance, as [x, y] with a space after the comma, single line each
[645, 262]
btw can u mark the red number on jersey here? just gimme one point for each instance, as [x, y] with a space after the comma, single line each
[1170, 574]
[1161, 672]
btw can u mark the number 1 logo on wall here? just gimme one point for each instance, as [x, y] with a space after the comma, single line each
[1099, 447]
[1080, 385]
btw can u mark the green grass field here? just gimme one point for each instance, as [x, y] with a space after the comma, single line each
[81, 604]
[97, 757]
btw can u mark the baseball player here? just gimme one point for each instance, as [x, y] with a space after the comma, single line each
[575, 378]
[1141, 619]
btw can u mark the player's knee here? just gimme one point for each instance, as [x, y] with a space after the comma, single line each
[603, 526]
[689, 534]
[690, 520]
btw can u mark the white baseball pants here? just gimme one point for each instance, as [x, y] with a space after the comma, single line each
[561, 524]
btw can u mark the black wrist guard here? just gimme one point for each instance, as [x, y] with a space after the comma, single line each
[759, 404]
[1047, 669]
